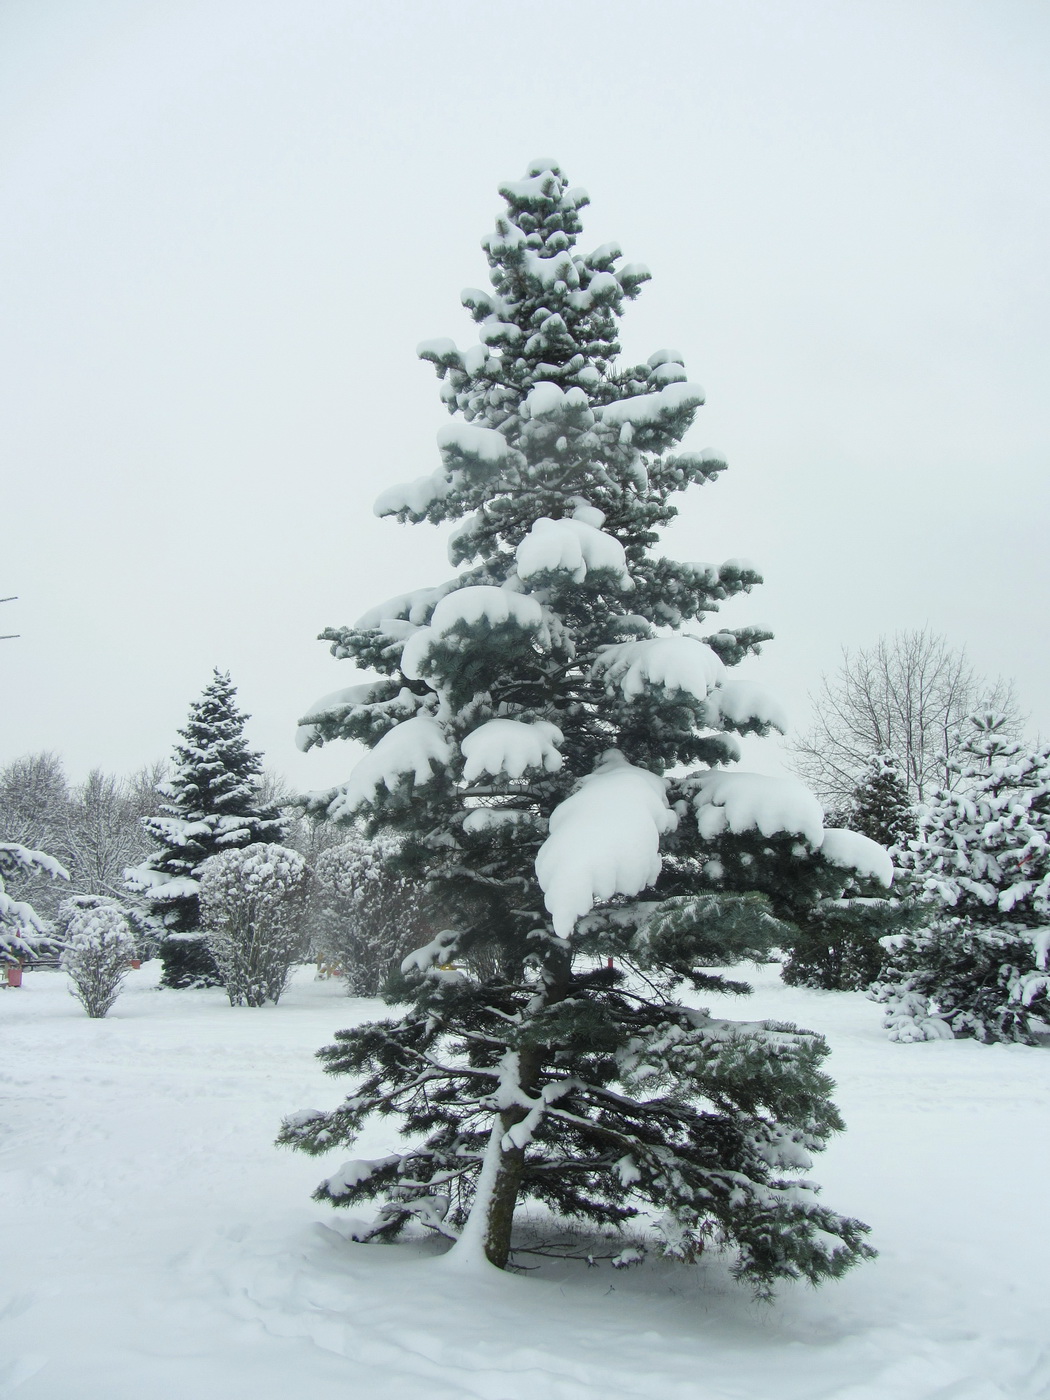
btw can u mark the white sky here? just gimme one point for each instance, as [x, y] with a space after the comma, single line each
[224, 227]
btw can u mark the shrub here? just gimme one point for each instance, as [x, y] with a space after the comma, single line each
[252, 902]
[98, 950]
[365, 917]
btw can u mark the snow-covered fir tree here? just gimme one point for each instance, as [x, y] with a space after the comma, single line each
[23, 933]
[548, 738]
[881, 807]
[978, 966]
[213, 805]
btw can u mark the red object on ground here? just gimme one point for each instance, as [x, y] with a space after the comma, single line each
[136, 962]
[14, 975]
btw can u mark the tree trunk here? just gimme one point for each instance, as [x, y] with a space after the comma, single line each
[503, 1197]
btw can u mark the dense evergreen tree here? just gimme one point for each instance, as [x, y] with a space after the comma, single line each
[534, 740]
[213, 805]
[978, 964]
[881, 807]
[837, 944]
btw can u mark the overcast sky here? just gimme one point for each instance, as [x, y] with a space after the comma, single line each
[225, 226]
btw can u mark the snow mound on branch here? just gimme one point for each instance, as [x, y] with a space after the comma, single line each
[548, 400]
[572, 546]
[469, 607]
[480, 819]
[413, 607]
[351, 1174]
[415, 746]
[753, 802]
[677, 663]
[646, 409]
[508, 746]
[741, 701]
[469, 440]
[853, 851]
[483, 603]
[414, 496]
[604, 840]
[336, 706]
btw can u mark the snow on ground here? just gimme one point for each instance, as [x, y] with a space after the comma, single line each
[155, 1245]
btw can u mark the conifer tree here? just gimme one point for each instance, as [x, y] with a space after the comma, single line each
[977, 967]
[213, 806]
[547, 737]
[881, 807]
[837, 944]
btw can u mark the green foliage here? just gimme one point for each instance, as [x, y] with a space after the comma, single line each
[213, 805]
[554, 669]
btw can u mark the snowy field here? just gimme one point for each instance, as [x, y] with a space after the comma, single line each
[156, 1245]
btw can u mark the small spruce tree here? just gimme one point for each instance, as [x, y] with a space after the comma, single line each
[977, 966]
[881, 807]
[213, 806]
[547, 739]
[837, 945]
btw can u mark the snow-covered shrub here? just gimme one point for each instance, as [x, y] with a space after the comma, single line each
[364, 917]
[98, 947]
[253, 908]
[549, 738]
[23, 933]
[982, 858]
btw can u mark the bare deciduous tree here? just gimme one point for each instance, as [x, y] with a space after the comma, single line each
[908, 695]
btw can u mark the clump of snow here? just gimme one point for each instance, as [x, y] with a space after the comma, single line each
[413, 607]
[572, 546]
[754, 802]
[351, 1174]
[439, 950]
[415, 496]
[510, 747]
[604, 840]
[647, 409]
[483, 603]
[590, 515]
[853, 851]
[480, 819]
[740, 701]
[415, 746]
[336, 705]
[470, 607]
[470, 440]
[677, 663]
[549, 400]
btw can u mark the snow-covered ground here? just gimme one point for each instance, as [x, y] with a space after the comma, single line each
[154, 1244]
